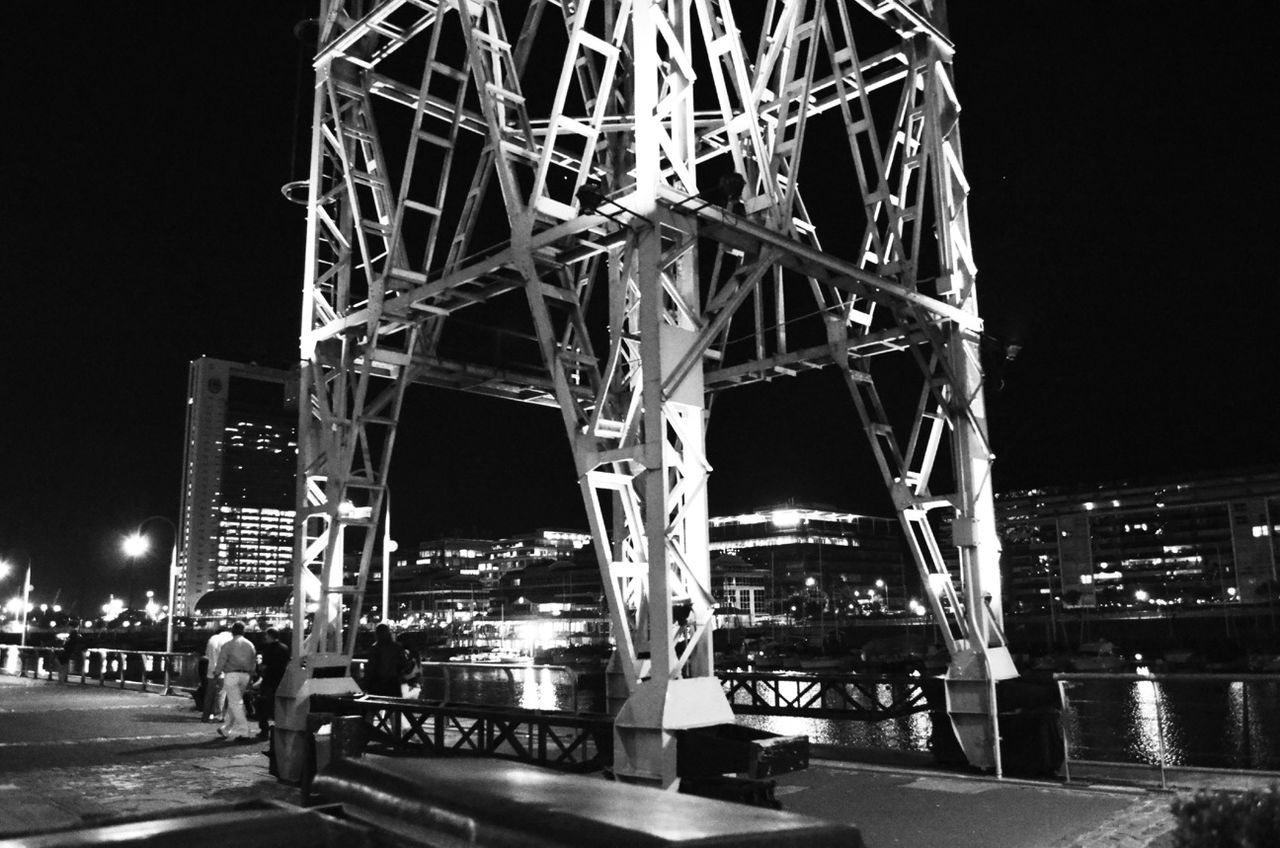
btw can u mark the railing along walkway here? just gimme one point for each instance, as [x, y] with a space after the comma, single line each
[1168, 720]
[145, 670]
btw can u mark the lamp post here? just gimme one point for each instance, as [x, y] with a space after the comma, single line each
[5, 568]
[388, 546]
[137, 545]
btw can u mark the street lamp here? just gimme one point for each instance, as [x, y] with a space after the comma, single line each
[5, 568]
[137, 545]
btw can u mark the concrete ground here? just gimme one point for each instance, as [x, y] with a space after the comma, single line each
[71, 755]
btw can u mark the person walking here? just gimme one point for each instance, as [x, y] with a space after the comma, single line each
[275, 659]
[385, 664]
[213, 696]
[72, 651]
[236, 662]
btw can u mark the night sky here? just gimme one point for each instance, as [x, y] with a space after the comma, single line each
[1119, 153]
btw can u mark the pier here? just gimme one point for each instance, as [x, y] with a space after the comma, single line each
[73, 755]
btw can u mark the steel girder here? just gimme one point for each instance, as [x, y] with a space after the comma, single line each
[634, 169]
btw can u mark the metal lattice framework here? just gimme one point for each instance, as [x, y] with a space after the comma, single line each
[852, 697]
[578, 742]
[605, 207]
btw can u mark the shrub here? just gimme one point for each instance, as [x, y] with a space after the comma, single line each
[1228, 819]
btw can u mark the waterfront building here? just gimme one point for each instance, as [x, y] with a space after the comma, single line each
[434, 595]
[239, 466]
[740, 590]
[546, 544]
[260, 607]
[552, 587]
[1142, 544]
[550, 604]
[458, 556]
[821, 557]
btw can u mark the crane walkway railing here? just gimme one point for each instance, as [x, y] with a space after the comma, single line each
[832, 695]
[564, 740]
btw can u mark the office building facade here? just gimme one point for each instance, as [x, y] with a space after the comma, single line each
[239, 467]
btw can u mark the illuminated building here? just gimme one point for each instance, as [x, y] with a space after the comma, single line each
[238, 479]
[458, 556]
[1142, 545]
[437, 594]
[519, 551]
[741, 590]
[847, 558]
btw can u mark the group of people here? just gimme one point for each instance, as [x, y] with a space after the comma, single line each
[236, 669]
[238, 673]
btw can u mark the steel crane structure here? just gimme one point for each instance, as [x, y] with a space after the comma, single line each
[605, 207]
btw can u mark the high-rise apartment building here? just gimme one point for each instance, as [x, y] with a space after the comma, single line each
[238, 479]
[1142, 544]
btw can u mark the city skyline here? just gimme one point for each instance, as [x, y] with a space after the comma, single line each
[1116, 223]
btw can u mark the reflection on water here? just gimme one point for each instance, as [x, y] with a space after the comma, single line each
[537, 689]
[902, 734]
[1214, 724]
[1147, 735]
[527, 687]
[909, 733]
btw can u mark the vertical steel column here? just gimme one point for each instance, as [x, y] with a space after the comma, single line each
[681, 690]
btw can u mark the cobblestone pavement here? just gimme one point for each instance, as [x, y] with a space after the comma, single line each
[62, 797]
[1146, 823]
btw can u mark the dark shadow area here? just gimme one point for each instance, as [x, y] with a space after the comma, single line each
[214, 743]
[184, 718]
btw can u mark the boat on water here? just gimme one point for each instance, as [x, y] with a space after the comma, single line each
[1098, 657]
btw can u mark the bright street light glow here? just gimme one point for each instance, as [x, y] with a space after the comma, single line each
[1141, 595]
[135, 545]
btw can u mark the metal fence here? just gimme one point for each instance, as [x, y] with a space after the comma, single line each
[1162, 721]
[851, 697]
[563, 740]
[145, 670]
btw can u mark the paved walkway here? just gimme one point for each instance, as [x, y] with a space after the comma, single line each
[71, 755]
[920, 807]
[64, 797]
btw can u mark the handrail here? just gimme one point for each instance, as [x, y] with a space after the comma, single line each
[176, 667]
[446, 666]
[1156, 679]
[509, 668]
[1170, 676]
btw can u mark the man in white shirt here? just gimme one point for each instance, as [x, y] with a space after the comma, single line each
[236, 661]
[213, 695]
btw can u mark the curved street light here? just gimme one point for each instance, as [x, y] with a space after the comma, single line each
[137, 545]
